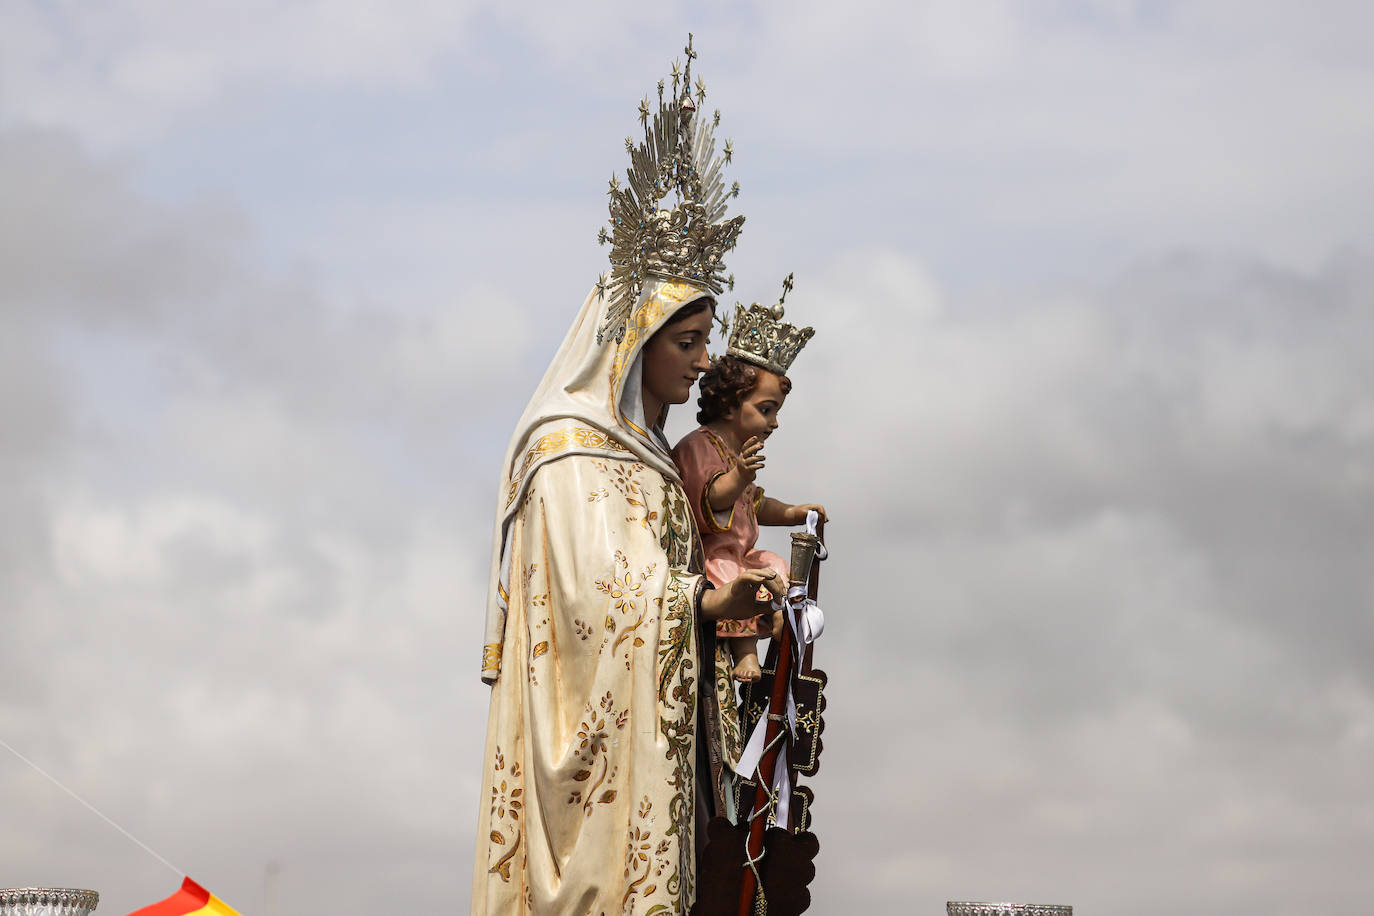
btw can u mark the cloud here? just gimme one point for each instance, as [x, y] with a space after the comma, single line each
[1099, 589]
[1048, 142]
[232, 546]
[1066, 567]
[126, 70]
[1088, 402]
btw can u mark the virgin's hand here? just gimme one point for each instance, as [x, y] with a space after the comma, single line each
[735, 600]
[751, 458]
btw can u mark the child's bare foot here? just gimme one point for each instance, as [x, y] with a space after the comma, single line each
[747, 669]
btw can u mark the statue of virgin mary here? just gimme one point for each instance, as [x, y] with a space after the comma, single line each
[611, 735]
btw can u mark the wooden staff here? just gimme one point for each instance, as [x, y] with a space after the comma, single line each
[804, 548]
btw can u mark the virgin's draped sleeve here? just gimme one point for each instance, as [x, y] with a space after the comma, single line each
[590, 751]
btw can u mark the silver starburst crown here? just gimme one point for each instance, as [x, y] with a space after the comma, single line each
[760, 336]
[650, 239]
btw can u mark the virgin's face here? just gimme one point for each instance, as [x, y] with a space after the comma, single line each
[675, 357]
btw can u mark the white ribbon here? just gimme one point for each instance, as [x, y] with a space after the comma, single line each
[805, 616]
[782, 791]
[753, 749]
[812, 520]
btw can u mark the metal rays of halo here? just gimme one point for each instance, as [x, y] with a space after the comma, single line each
[685, 242]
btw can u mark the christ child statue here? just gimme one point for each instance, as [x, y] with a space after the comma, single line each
[739, 405]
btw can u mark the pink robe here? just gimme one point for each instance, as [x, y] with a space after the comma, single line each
[727, 537]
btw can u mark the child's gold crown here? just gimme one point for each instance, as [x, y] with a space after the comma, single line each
[760, 336]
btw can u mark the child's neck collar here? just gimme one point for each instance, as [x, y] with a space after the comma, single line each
[725, 434]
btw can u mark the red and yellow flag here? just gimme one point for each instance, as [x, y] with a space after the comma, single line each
[192, 898]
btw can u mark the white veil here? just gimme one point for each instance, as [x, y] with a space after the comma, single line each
[588, 403]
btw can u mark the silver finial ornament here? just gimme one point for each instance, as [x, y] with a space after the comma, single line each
[47, 901]
[971, 908]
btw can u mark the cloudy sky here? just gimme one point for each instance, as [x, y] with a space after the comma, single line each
[1091, 402]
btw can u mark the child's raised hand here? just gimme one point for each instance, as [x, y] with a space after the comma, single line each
[751, 458]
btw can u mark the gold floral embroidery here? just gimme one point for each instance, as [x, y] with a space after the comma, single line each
[594, 735]
[731, 737]
[680, 749]
[677, 704]
[540, 600]
[625, 478]
[678, 540]
[560, 440]
[507, 800]
[646, 597]
[641, 851]
[621, 587]
[674, 651]
[628, 597]
[534, 602]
